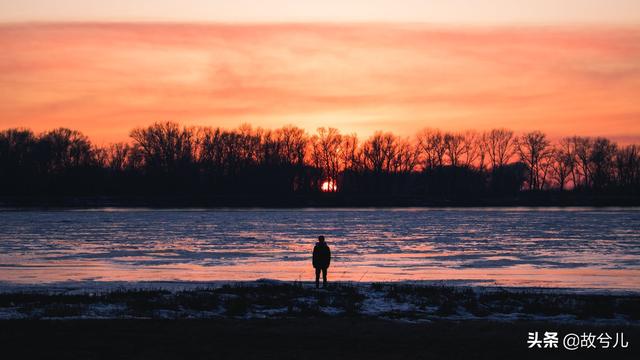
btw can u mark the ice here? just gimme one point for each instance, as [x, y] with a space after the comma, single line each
[576, 247]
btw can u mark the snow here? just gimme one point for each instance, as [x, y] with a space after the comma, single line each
[403, 301]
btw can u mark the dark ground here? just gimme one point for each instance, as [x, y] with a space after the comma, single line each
[236, 321]
[308, 338]
[266, 200]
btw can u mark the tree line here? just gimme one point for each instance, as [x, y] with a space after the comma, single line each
[288, 165]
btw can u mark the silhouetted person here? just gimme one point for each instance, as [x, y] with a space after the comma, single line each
[321, 260]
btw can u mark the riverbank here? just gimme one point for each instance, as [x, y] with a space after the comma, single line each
[548, 198]
[404, 301]
[292, 320]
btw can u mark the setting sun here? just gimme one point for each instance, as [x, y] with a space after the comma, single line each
[329, 186]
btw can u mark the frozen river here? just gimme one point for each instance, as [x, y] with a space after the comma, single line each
[583, 248]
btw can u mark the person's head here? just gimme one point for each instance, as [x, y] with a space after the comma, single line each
[321, 238]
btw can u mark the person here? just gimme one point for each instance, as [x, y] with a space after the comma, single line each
[321, 260]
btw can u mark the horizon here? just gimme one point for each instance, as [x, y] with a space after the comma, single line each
[412, 138]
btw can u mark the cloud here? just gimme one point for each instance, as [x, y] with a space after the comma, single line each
[105, 79]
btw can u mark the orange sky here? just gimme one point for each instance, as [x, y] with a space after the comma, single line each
[105, 79]
[423, 11]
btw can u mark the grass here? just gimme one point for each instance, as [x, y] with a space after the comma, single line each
[277, 300]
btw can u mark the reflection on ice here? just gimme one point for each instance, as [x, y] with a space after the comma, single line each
[521, 247]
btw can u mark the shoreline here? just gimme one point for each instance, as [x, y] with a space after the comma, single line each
[108, 208]
[85, 286]
[267, 299]
[326, 206]
[547, 198]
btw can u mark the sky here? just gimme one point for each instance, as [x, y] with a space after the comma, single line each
[570, 67]
[431, 11]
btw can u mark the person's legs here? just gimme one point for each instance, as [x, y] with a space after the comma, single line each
[324, 277]
[317, 278]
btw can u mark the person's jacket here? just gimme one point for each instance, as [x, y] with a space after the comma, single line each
[321, 256]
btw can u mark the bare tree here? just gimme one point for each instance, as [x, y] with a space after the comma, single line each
[66, 148]
[166, 158]
[533, 149]
[470, 148]
[627, 161]
[432, 147]
[601, 161]
[17, 148]
[582, 150]
[482, 144]
[252, 146]
[351, 154]
[209, 152]
[406, 156]
[117, 156]
[562, 166]
[565, 156]
[326, 150]
[379, 152]
[165, 145]
[500, 146]
[545, 170]
[293, 142]
[454, 146]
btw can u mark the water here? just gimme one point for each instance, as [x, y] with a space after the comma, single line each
[582, 248]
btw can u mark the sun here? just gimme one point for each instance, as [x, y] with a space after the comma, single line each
[329, 185]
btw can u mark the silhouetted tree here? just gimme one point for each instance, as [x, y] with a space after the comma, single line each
[627, 160]
[379, 152]
[471, 149]
[326, 152]
[500, 146]
[252, 166]
[18, 165]
[432, 148]
[165, 146]
[601, 163]
[534, 151]
[406, 156]
[582, 150]
[562, 167]
[454, 146]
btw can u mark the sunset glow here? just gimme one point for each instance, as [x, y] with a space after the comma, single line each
[329, 186]
[105, 79]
